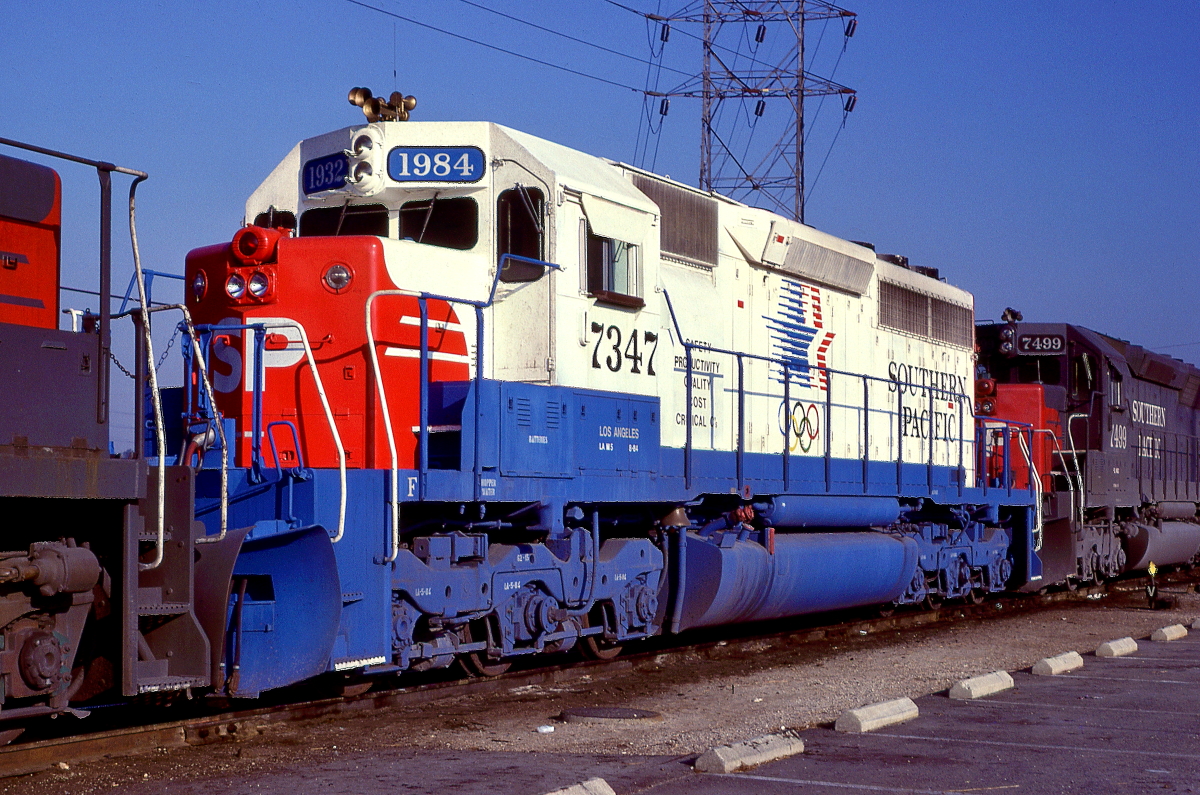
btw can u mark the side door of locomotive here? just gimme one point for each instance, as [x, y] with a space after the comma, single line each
[523, 316]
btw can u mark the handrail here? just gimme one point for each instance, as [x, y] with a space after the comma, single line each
[337, 438]
[312, 365]
[394, 549]
[104, 172]
[155, 393]
[160, 436]
[1075, 459]
[149, 286]
[1062, 455]
[1036, 480]
[961, 399]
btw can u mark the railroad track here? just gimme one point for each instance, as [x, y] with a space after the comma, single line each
[31, 756]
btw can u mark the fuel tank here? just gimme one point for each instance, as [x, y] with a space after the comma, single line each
[731, 579]
[1173, 542]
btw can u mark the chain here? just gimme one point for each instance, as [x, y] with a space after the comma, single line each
[120, 366]
[167, 350]
[161, 359]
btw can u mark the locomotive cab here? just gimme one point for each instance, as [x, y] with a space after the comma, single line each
[383, 215]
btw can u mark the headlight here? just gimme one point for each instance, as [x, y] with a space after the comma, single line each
[199, 285]
[259, 284]
[338, 277]
[235, 286]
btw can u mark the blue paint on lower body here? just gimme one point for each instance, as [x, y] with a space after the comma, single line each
[283, 611]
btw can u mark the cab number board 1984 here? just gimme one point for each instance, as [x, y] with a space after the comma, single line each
[435, 164]
[1041, 344]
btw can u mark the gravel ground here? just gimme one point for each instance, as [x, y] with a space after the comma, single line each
[703, 702]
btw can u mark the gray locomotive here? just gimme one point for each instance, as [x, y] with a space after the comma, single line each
[1115, 446]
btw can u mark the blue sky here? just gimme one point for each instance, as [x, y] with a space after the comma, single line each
[1042, 155]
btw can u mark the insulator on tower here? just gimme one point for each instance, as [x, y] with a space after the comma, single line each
[394, 108]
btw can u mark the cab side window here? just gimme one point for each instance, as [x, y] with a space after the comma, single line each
[448, 223]
[611, 267]
[1082, 379]
[520, 231]
[1115, 387]
[345, 219]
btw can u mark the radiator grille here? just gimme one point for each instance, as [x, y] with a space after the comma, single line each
[827, 266]
[907, 310]
[689, 220]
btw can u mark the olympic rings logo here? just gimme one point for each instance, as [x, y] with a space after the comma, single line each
[803, 422]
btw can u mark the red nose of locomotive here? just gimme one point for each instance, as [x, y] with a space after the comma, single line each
[276, 292]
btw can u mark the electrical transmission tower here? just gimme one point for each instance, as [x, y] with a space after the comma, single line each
[754, 52]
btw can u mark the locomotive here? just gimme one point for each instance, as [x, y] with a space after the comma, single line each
[489, 397]
[1115, 431]
[457, 394]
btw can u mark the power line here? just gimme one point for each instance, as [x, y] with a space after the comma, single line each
[553, 32]
[497, 49]
[714, 45]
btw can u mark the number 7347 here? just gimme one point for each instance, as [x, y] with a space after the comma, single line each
[609, 340]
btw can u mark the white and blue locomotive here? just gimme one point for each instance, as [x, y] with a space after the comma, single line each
[487, 396]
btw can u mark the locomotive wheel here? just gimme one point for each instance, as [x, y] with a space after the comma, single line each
[933, 600]
[595, 647]
[975, 596]
[478, 663]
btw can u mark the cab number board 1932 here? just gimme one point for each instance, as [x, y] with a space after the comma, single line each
[1041, 344]
[325, 173]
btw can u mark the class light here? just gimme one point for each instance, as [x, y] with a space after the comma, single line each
[235, 286]
[338, 277]
[259, 284]
[199, 285]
